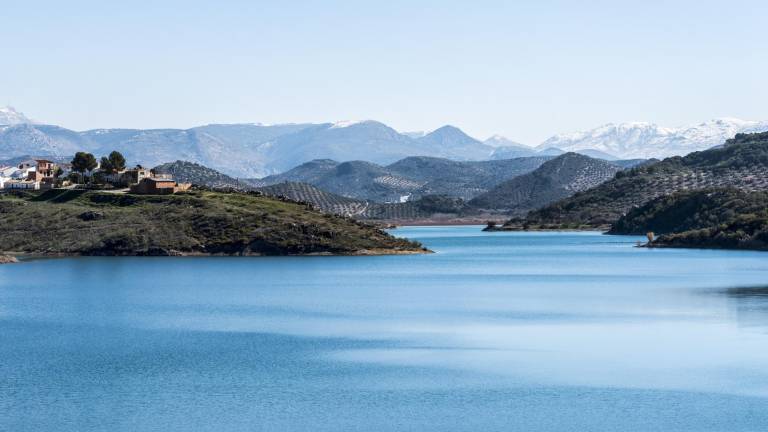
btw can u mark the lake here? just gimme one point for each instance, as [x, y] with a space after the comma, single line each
[495, 331]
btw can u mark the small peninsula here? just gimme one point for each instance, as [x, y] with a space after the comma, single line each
[723, 218]
[61, 222]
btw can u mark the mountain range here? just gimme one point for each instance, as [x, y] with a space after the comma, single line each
[256, 150]
[406, 179]
[647, 140]
[434, 185]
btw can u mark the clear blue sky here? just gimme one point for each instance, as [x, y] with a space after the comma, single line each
[526, 70]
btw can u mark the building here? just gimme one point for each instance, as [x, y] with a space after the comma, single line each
[158, 186]
[127, 177]
[21, 185]
[44, 171]
[134, 175]
[7, 171]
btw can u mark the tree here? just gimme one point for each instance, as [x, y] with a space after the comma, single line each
[106, 165]
[116, 161]
[83, 162]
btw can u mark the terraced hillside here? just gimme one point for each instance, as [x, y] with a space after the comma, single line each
[431, 206]
[409, 178]
[189, 172]
[556, 179]
[355, 179]
[463, 180]
[742, 163]
[319, 199]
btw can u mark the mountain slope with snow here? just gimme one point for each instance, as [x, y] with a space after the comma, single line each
[9, 116]
[647, 140]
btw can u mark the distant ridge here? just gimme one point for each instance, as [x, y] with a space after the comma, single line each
[558, 178]
[252, 150]
[648, 140]
[408, 178]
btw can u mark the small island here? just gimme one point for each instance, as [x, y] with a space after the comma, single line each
[64, 222]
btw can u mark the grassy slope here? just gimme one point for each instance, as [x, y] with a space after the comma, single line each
[715, 218]
[200, 222]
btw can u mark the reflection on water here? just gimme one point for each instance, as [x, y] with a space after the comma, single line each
[750, 305]
[499, 331]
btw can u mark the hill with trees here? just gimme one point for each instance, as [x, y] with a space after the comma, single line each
[199, 175]
[412, 177]
[558, 178]
[710, 218]
[741, 163]
[317, 198]
[80, 222]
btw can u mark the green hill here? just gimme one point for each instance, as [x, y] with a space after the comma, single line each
[711, 218]
[199, 175]
[319, 199]
[558, 178]
[78, 222]
[741, 163]
[414, 177]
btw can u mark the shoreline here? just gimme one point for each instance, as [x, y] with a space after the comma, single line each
[16, 257]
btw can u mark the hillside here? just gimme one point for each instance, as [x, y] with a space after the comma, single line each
[558, 178]
[77, 222]
[427, 207]
[319, 199]
[742, 163]
[410, 177]
[189, 172]
[710, 218]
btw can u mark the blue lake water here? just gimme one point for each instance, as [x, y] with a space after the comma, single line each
[496, 331]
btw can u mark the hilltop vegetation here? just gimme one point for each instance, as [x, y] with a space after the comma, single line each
[423, 208]
[713, 218]
[555, 179]
[742, 163]
[79, 222]
[190, 172]
[319, 199]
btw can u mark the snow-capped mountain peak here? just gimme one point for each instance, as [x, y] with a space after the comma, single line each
[645, 140]
[9, 116]
[502, 141]
[346, 123]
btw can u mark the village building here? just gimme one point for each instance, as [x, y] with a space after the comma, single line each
[135, 175]
[43, 174]
[7, 171]
[158, 186]
[128, 177]
[21, 185]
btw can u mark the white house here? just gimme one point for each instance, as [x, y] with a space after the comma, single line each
[21, 184]
[6, 171]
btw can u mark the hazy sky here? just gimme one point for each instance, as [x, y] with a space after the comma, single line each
[526, 70]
